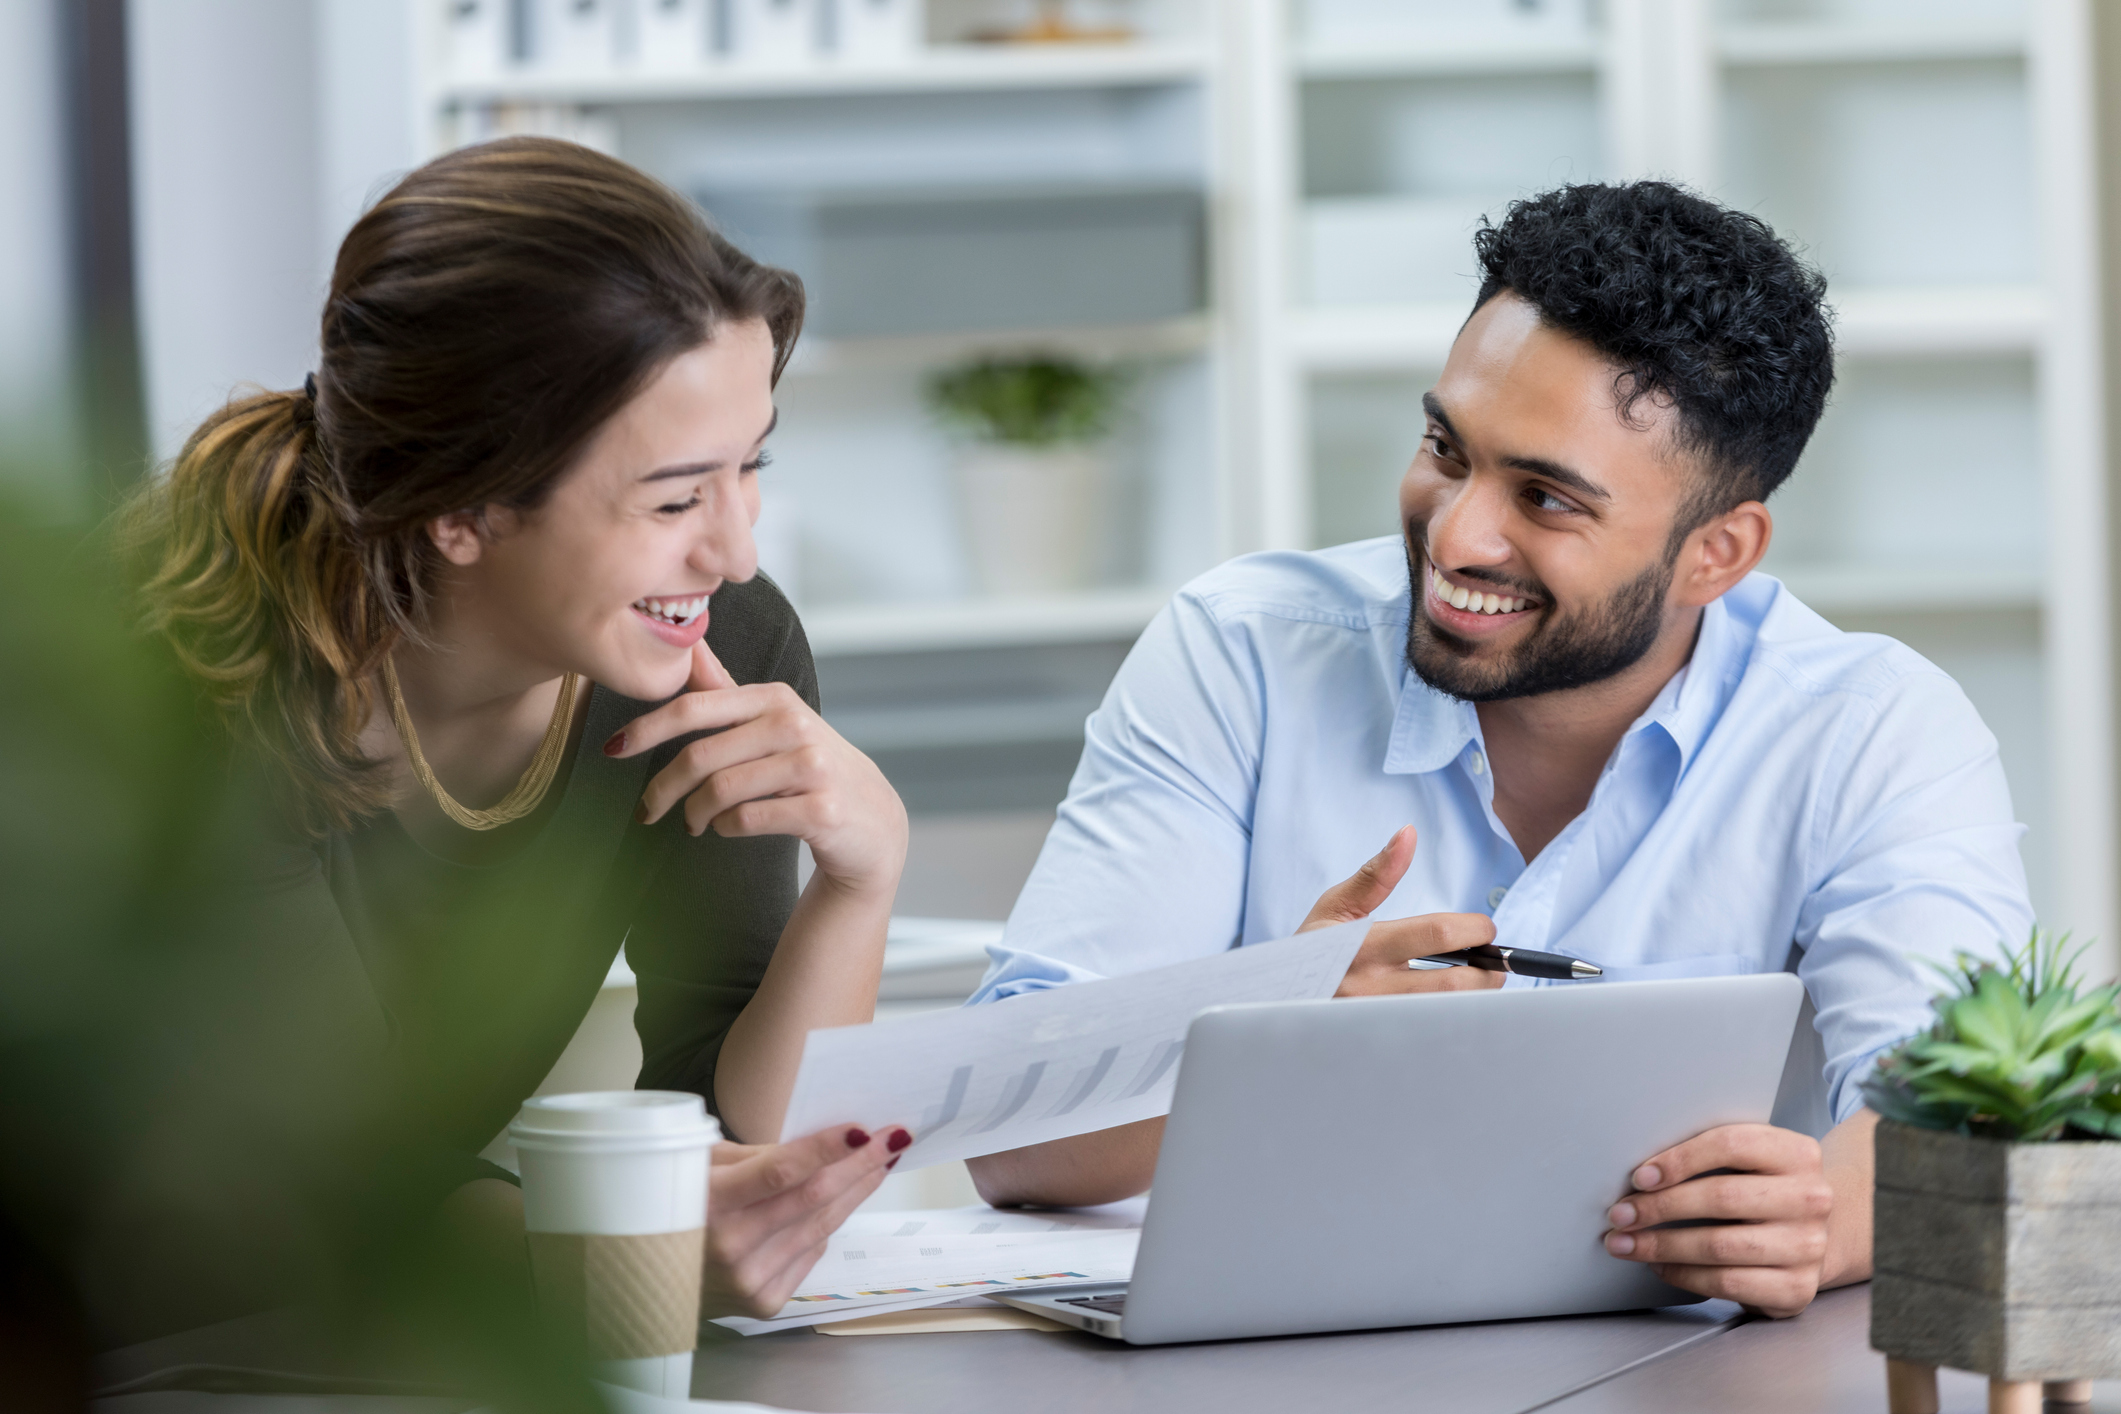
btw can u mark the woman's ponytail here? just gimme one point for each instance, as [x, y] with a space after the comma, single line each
[252, 574]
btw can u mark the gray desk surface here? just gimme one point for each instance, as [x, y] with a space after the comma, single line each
[1647, 1363]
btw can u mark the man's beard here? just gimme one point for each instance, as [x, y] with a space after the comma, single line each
[1588, 646]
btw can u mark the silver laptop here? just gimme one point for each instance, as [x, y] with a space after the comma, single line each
[1401, 1161]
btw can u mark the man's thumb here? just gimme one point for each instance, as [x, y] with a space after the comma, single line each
[1362, 892]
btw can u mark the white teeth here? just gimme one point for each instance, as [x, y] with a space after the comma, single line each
[1472, 601]
[681, 611]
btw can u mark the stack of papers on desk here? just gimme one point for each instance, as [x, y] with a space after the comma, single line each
[906, 1260]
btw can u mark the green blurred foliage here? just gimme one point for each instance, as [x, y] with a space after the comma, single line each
[1030, 402]
[196, 1123]
[2016, 1053]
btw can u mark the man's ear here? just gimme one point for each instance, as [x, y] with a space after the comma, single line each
[1721, 553]
[460, 536]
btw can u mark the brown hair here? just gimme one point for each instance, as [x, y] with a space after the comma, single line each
[484, 319]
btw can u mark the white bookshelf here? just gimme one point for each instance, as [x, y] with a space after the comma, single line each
[940, 69]
[838, 630]
[1446, 56]
[1937, 159]
[1861, 43]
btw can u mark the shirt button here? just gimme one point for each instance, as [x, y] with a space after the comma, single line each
[1476, 763]
[1496, 895]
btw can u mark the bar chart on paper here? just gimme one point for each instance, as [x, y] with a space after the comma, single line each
[1048, 1064]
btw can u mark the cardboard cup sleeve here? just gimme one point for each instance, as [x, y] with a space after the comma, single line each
[623, 1298]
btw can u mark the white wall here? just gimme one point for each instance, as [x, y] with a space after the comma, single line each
[260, 128]
[35, 344]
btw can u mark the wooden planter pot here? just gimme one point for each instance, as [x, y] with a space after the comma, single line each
[2003, 1259]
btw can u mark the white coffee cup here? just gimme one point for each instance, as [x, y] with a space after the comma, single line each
[615, 1205]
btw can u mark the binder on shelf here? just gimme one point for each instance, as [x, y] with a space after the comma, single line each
[875, 31]
[481, 40]
[773, 34]
[673, 36]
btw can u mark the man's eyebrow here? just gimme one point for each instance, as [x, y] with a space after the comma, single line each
[1539, 466]
[703, 468]
[1433, 406]
[1554, 471]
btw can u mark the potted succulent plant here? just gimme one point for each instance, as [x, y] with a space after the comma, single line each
[1033, 468]
[1998, 1211]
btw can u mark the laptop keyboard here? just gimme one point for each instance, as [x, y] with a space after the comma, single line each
[1103, 1305]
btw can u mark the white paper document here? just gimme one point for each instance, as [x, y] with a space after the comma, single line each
[862, 1275]
[1049, 1064]
[979, 1220]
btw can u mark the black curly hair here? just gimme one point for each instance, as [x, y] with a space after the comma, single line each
[1695, 303]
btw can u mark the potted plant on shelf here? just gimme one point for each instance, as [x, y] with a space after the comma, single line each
[1997, 1242]
[1033, 467]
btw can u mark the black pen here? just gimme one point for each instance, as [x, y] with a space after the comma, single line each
[1522, 961]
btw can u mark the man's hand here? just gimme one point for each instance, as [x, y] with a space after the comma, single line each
[1380, 967]
[1771, 1257]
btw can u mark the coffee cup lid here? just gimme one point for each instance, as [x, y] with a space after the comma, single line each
[643, 1116]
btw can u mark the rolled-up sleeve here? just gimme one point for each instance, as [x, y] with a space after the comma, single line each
[1916, 857]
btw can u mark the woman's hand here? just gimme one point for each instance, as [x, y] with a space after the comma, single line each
[772, 767]
[772, 1207]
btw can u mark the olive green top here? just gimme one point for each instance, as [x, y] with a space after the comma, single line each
[483, 971]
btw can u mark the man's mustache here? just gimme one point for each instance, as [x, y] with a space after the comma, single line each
[1417, 546]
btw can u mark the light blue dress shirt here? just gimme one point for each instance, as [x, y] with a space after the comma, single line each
[1796, 798]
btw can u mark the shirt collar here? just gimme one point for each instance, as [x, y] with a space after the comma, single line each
[1688, 713]
[1431, 729]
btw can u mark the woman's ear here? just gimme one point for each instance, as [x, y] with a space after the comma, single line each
[460, 536]
[1723, 552]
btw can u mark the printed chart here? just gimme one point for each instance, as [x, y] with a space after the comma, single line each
[1049, 1064]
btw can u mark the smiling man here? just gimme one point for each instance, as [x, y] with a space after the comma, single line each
[1575, 718]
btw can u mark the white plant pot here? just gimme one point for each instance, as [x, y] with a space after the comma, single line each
[1031, 515]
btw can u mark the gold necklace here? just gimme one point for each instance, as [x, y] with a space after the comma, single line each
[528, 791]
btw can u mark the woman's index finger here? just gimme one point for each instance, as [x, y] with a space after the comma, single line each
[689, 711]
[708, 674]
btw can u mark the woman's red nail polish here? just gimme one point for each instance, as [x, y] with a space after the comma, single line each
[640, 813]
[856, 1138]
[899, 1139]
[617, 744]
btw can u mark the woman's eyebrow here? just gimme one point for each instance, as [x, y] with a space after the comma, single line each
[702, 468]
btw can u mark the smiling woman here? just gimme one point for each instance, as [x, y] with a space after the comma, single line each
[470, 598]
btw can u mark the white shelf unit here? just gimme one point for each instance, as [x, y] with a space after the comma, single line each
[1936, 158]
[940, 69]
